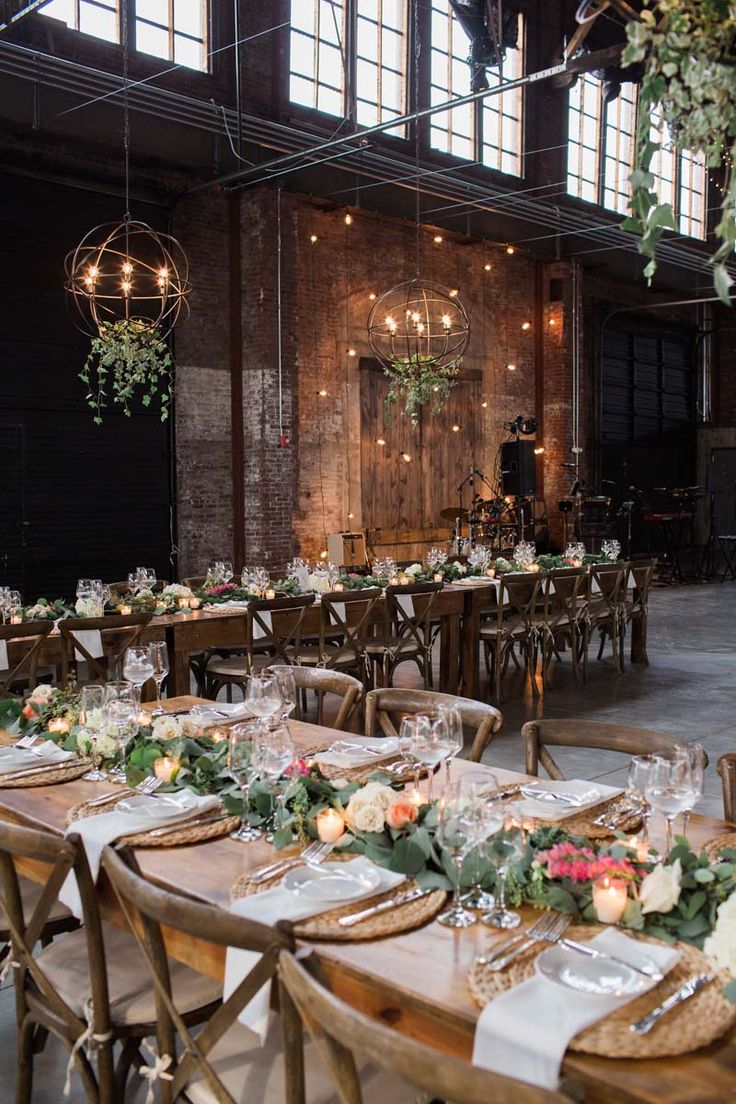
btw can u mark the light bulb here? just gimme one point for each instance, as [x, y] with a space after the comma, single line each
[313, 238]
[446, 322]
[453, 292]
[322, 394]
[420, 327]
[372, 296]
[539, 451]
[390, 321]
[438, 239]
[89, 282]
[405, 457]
[351, 515]
[511, 367]
[94, 271]
[484, 405]
[323, 554]
[526, 326]
[487, 267]
[456, 428]
[552, 322]
[126, 285]
[380, 441]
[435, 388]
[163, 274]
[510, 250]
[348, 219]
[351, 352]
[127, 268]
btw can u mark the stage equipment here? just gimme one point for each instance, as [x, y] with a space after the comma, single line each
[518, 469]
[347, 549]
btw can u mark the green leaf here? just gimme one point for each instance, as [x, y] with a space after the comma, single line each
[699, 925]
[562, 901]
[663, 216]
[722, 283]
[704, 875]
[729, 991]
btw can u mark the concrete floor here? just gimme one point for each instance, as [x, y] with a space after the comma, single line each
[688, 690]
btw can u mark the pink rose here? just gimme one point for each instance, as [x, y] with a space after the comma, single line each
[401, 813]
[298, 768]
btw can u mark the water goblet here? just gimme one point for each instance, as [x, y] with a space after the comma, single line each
[241, 768]
[91, 717]
[670, 791]
[460, 827]
[455, 739]
[15, 605]
[227, 571]
[138, 667]
[695, 754]
[119, 722]
[485, 785]
[430, 745]
[287, 690]
[262, 696]
[406, 744]
[158, 656]
[273, 754]
[641, 771]
[505, 845]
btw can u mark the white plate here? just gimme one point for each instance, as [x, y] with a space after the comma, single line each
[157, 808]
[598, 976]
[331, 883]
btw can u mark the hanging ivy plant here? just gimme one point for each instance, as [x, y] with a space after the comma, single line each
[127, 358]
[688, 50]
[418, 380]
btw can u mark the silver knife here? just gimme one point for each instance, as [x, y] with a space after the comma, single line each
[169, 829]
[42, 769]
[650, 972]
[383, 906]
[689, 989]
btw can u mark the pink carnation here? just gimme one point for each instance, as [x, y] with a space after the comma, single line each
[223, 588]
[298, 767]
[565, 860]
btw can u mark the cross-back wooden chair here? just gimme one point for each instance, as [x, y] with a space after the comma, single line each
[515, 623]
[345, 619]
[384, 706]
[118, 632]
[325, 682]
[341, 1032]
[726, 767]
[194, 582]
[636, 606]
[605, 611]
[26, 642]
[407, 631]
[92, 987]
[564, 608]
[539, 736]
[273, 628]
[217, 1063]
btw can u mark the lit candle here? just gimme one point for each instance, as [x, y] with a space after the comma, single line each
[217, 735]
[491, 572]
[610, 898]
[394, 580]
[438, 577]
[339, 586]
[125, 610]
[58, 724]
[16, 619]
[534, 567]
[184, 603]
[270, 593]
[166, 768]
[194, 603]
[330, 825]
[404, 580]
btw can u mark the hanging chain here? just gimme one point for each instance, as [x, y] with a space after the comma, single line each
[126, 110]
[417, 52]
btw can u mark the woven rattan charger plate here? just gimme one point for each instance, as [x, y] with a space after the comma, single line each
[719, 843]
[325, 926]
[582, 824]
[694, 1024]
[65, 772]
[175, 837]
[365, 771]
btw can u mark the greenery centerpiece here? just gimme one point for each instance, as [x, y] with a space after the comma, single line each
[688, 52]
[419, 379]
[128, 358]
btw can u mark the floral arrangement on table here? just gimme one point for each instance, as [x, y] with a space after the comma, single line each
[43, 610]
[45, 708]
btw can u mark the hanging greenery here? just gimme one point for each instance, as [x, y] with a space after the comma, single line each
[418, 380]
[128, 358]
[688, 51]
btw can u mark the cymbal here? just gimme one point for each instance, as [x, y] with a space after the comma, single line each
[452, 512]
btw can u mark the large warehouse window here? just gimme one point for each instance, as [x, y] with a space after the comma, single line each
[99, 18]
[173, 29]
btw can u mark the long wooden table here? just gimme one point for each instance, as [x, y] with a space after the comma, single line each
[390, 979]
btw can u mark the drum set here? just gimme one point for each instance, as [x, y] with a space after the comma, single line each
[498, 523]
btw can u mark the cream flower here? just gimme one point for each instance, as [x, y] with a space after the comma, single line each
[41, 693]
[720, 946]
[413, 569]
[188, 727]
[367, 808]
[166, 728]
[106, 746]
[660, 890]
[369, 818]
[176, 590]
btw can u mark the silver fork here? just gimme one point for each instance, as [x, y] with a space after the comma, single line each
[28, 740]
[505, 945]
[551, 932]
[312, 855]
[147, 786]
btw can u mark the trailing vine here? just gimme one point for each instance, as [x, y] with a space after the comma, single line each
[688, 51]
[127, 357]
[419, 380]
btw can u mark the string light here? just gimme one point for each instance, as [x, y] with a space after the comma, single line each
[405, 457]
[351, 352]
[351, 515]
[539, 451]
[526, 326]
[552, 322]
[510, 250]
[453, 292]
[313, 238]
[348, 219]
[487, 267]
[323, 554]
[438, 239]
[372, 296]
[484, 404]
[322, 394]
[380, 441]
[456, 428]
[511, 367]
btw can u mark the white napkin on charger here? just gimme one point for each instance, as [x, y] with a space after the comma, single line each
[15, 758]
[558, 810]
[97, 831]
[525, 1032]
[279, 904]
[234, 711]
[337, 756]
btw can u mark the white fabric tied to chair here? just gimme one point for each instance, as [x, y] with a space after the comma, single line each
[4, 661]
[156, 1072]
[9, 961]
[87, 1038]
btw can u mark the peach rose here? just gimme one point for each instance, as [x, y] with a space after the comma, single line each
[401, 813]
[29, 711]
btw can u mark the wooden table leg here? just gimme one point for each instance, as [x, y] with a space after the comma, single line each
[179, 676]
[470, 686]
[450, 654]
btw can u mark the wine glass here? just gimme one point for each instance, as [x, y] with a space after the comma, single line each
[287, 690]
[262, 696]
[158, 656]
[226, 570]
[84, 588]
[485, 785]
[241, 767]
[120, 715]
[671, 790]
[273, 753]
[138, 667]
[4, 603]
[91, 717]
[409, 761]
[455, 738]
[119, 689]
[695, 754]
[641, 770]
[430, 745]
[461, 826]
[15, 604]
[505, 845]
[261, 580]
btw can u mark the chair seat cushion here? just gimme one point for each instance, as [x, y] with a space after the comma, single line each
[394, 645]
[233, 668]
[252, 1073]
[132, 1000]
[330, 656]
[30, 893]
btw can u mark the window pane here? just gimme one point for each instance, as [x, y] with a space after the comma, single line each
[60, 9]
[187, 52]
[381, 54]
[157, 11]
[302, 55]
[186, 45]
[151, 40]
[99, 19]
[584, 121]
[188, 17]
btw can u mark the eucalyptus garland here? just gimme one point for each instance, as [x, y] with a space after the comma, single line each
[418, 380]
[125, 360]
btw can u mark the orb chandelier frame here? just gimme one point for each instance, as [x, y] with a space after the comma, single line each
[418, 322]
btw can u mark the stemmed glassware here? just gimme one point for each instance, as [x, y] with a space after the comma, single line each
[287, 691]
[15, 605]
[462, 824]
[4, 603]
[120, 711]
[641, 772]
[407, 732]
[273, 754]
[671, 790]
[260, 580]
[158, 656]
[138, 668]
[431, 743]
[262, 696]
[91, 719]
[242, 769]
[695, 754]
[505, 845]
[455, 739]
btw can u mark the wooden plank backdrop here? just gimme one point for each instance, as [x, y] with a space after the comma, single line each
[404, 499]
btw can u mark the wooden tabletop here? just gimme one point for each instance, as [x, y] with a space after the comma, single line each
[416, 982]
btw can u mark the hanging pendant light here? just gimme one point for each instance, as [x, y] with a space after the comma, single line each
[418, 322]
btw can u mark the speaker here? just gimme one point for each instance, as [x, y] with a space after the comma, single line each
[518, 469]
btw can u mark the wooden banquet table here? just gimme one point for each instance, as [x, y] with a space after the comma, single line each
[388, 979]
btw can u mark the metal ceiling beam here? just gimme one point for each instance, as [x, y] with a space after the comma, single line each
[27, 10]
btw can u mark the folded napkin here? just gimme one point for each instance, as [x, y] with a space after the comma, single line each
[476, 580]
[258, 632]
[525, 1032]
[406, 602]
[97, 831]
[91, 639]
[15, 758]
[233, 711]
[279, 904]
[557, 810]
[347, 752]
[4, 661]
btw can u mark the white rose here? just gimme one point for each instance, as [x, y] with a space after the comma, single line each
[188, 727]
[176, 590]
[106, 745]
[375, 793]
[369, 818]
[660, 890]
[413, 569]
[41, 694]
[166, 728]
[84, 743]
[720, 946]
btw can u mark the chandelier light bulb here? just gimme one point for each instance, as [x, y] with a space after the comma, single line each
[552, 322]
[420, 327]
[127, 268]
[93, 271]
[446, 321]
[351, 514]
[126, 286]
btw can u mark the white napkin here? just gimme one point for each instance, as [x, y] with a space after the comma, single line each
[548, 810]
[97, 831]
[525, 1032]
[406, 602]
[15, 758]
[91, 639]
[233, 711]
[279, 904]
[477, 580]
[302, 575]
[258, 632]
[4, 661]
[236, 603]
[353, 757]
